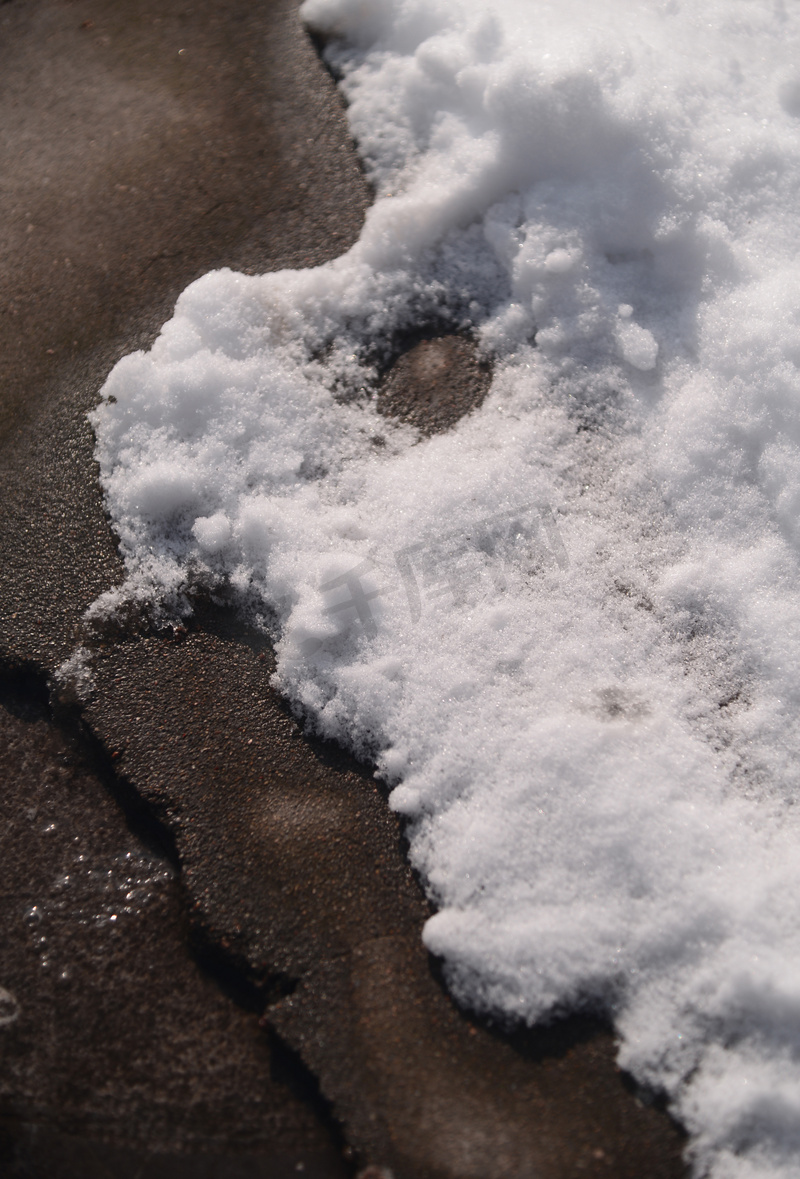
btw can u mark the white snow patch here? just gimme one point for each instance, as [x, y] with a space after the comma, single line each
[568, 631]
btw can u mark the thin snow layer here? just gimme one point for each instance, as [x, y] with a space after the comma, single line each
[567, 631]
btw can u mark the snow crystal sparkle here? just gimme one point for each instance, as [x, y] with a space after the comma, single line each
[598, 765]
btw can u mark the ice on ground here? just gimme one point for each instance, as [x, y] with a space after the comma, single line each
[568, 630]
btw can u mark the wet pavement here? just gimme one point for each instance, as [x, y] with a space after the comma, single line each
[118, 1048]
[230, 981]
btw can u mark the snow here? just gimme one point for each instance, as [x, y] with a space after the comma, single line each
[567, 632]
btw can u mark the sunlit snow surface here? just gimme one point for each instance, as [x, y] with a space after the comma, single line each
[573, 637]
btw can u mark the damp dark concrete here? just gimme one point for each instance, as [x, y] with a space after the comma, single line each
[434, 383]
[118, 1053]
[274, 949]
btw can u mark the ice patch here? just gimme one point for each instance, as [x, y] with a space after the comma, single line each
[568, 630]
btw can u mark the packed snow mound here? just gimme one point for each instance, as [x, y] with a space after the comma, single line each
[567, 631]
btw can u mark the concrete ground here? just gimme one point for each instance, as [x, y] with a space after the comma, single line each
[211, 962]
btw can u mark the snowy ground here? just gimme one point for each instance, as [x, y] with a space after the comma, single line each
[566, 631]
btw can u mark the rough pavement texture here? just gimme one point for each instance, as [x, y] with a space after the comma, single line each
[143, 146]
[434, 383]
[111, 1032]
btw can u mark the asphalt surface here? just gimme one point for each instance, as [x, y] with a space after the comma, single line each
[120, 1053]
[211, 957]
